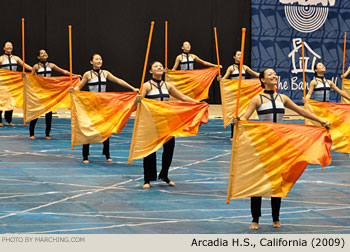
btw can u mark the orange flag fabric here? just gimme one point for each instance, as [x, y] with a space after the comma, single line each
[158, 121]
[44, 94]
[193, 83]
[338, 115]
[229, 88]
[346, 87]
[11, 90]
[268, 158]
[95, 116]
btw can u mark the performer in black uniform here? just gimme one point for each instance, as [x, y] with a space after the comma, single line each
[10, 62]
[270, 108]
[157, 89]
[186, 59]
[97, 80]
[44, 69]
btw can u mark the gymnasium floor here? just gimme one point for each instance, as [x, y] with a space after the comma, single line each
[44, 188]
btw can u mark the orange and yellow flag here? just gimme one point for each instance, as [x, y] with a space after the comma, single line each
[268, 158]
[346, 87]
[11, 90]
[193, 83]
[96, 116]
[229, 88]
[45, 94]
[338, 115]
[158, 121]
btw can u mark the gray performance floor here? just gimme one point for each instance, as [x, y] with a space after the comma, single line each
[44, 188]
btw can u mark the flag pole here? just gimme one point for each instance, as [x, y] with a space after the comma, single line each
[70, 55]
[303, 62]
[166, 45]
[146, 58]
[71, 83]
[132, 144]
[23, 71]
[234, 155]
[342, 99]
[217, 51]
[240, 71]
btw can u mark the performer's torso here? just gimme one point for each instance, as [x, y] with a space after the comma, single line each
[187, 62]
[98, 81]
[271, 108]
[158, 91]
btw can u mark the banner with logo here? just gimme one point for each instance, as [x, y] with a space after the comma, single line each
[279, 27]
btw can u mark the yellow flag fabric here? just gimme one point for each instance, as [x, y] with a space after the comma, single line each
[338, 115]
[229, 88]
[346, 87]
[268, 158]
[45, 94]
[193, 83]
[11, 90]
[95, 116]
[158, 121]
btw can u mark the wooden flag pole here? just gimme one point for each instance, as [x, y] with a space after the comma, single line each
[146, 58]
[235, 142]
[166, 45]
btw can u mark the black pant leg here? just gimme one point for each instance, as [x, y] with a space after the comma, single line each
[105, 150]
[167, 157]
[232, 128]
[8, 116]
[48, 121]
[150, 167]
[32, 126]
[0, 116]
[276, 206]
[86, 148]
[255, 207]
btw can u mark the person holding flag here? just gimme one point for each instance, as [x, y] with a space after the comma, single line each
[320, 87]
[157, 89]
[270, 108]
[232, 71]
[10, 62]
[186, 59]
[97, 82]
[44, 69]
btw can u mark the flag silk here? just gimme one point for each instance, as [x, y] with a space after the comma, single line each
[158, 121]
[338, 115]
[346, 88]
[95, 116]
[268, 158]
[11, 90]
[44, 94]
[229, 89]
[193, 83]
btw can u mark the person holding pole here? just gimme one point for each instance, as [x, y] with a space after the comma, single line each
[97, 82]
[10, 62]
[270, 108]
[320, 87]
[232, 71]
[186, 59]
[157, 89]
[44, 69]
